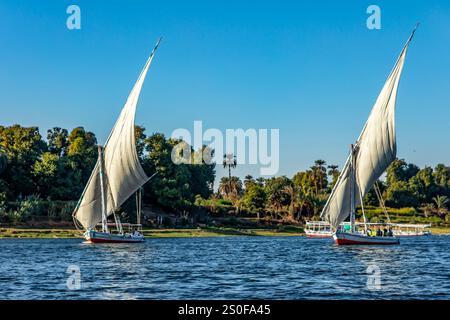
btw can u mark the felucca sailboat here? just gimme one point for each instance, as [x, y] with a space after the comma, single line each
[117, 175]
[369, 157]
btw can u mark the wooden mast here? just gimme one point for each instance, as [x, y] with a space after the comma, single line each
[352, 188]
[104, 216]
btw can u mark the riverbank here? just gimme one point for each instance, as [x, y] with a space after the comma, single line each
[440, 231]
[59, 233]
[48, 233]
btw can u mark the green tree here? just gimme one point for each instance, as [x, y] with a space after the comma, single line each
[317, 202]
[175, 185]
[45, 171]
[248, 180]
[261, 181]
[398, 195]
[441, 205]
[319, 175]
[230, 188]
[277, 198]
[22, 146]
[82, 152]
[202, 176]
[254, 198]
[371, 199]
[402, 187]
[57, 140]
[422, 185]
[304, 180]
[76, 168]
[170, 187]
[333, 172]
[399, 170]
[441, 175]
[140, 136]
[3, 185]
[296, 199]
[3, 161]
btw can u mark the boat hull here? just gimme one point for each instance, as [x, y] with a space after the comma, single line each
[319, 235]
[105, 237]
[420, 234]
[396, 234]
[347, 238]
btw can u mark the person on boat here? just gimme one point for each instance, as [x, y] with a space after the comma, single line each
[390, 233]
[379, 232]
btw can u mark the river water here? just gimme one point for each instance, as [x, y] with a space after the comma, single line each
[224, 268]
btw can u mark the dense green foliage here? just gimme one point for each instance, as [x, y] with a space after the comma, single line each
[49, 175]
[424, 192]
[174, 186]
[33, 170]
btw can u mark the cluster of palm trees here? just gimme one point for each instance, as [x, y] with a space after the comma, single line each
[280, 197]
[305, 194]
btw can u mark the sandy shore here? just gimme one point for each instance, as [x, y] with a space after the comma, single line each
[149, 233]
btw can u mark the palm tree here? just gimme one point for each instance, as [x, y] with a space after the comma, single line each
[248, 179]
[297, 200]
[441, 204]
[319, 173]
[291, 190]
[230, 161]
[260, 181]
[317, 202]
[276, 206]
[428, 209]
[238, 205]
[333, 172]
[230, 188]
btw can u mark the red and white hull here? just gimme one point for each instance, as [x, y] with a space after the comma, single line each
[319, 235]
[347, 238]
[106, 237]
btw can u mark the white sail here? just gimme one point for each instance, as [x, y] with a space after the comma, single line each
[374, 151]
[123, 173]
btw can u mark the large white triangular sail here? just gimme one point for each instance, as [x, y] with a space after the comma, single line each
[374, 151]
[123, 173]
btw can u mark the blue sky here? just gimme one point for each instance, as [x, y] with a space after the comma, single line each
[310, 68]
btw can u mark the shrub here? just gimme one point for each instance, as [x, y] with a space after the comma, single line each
[167, 222]
[30, 206]
[184, 222]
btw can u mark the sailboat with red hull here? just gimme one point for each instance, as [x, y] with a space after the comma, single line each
[369, 157]
[116, 176]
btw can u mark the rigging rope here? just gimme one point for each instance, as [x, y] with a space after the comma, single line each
[381, 201]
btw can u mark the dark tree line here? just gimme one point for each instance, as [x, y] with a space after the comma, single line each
[58, 167]
[305, 194]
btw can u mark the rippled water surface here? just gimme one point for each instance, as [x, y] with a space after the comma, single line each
[226, 268]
